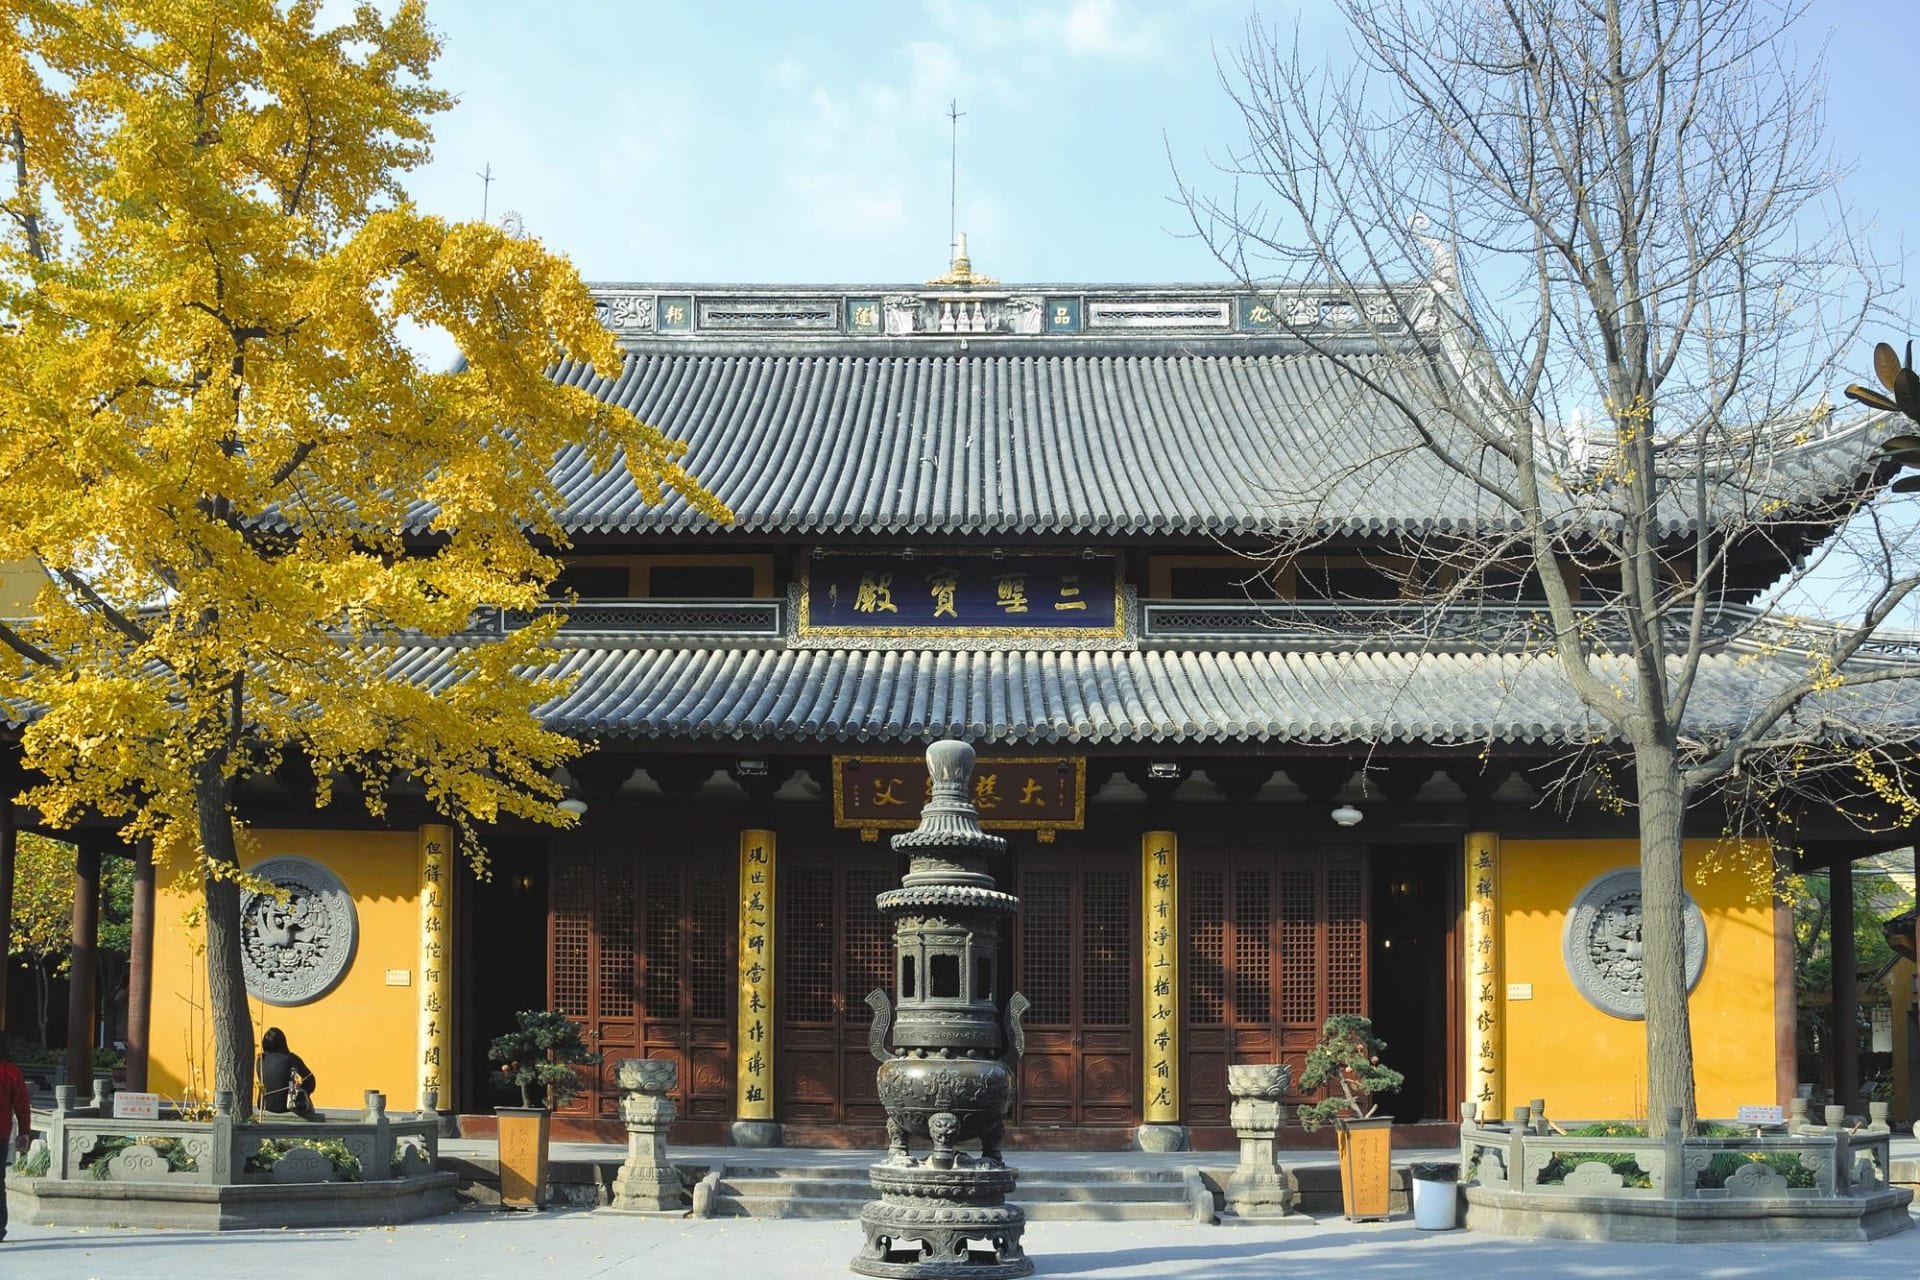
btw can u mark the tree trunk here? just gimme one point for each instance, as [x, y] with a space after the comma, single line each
[1663, 897]
[226, 979]
[81, 972]
[42, 998]
[140, 969]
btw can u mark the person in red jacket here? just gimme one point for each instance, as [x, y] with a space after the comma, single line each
[16, 1119]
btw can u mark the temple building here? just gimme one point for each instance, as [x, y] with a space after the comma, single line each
[1242, 792]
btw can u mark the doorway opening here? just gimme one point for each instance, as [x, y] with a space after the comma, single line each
[1413, 920]
[503, 947]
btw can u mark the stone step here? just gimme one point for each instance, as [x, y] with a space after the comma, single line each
[1074, 1195]
[1032, 1190]
[858, 1173]
[730, 1206]
[1103, 1210]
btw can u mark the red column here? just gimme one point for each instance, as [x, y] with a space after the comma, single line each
[80, 976]
[140, 969]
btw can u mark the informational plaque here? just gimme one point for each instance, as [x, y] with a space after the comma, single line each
[1024, 793]
[136, 1106]
[957, 593]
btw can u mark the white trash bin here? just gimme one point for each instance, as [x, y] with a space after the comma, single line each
[1436, 1197]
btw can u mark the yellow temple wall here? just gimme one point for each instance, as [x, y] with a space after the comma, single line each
[361, 1035]
[1591, 1065]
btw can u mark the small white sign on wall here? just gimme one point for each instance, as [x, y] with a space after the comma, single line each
[1519, 991]
[399, 977]
[136, 1106]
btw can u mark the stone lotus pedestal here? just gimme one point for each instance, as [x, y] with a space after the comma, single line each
[647, 1183]
[1258, 1190]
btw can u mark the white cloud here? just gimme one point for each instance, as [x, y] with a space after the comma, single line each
[1120, 30]
[1101, 29]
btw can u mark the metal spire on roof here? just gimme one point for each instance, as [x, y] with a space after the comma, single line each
[956, 247]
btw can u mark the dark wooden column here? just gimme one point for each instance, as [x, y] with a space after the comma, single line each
[1846, 982]
[8, 843]
[140, 969]
[80, 976]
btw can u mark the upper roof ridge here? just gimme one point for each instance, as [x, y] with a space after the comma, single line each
[976, 308]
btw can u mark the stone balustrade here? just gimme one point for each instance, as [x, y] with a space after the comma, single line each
[1849, 1196]
[1842, 1162]
[220, 1147]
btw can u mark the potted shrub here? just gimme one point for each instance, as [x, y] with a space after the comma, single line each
[540, 1056]
[1345, 1061]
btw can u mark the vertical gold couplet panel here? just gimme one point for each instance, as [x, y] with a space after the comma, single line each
[754, 1049]
[1482, 973]
[1160, 976]
[436, 962]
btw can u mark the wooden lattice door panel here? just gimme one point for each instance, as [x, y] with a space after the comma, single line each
[641, 954]
[1076, 950]
[835, 947]
[1277, 942]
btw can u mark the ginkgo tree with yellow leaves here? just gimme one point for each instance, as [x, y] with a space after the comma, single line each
[215, 438]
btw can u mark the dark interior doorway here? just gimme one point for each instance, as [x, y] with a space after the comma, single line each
[503, 965]
[1413, 894]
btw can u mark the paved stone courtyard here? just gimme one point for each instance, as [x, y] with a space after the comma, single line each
[576, 1243]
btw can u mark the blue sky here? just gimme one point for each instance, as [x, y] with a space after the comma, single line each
[805, 141]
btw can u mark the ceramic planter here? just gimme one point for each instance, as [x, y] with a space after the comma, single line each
[1366, 1166]
[524, 1136]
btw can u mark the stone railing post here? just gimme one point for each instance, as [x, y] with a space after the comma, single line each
[1257, 1189]
[1673, 1157]
[647, 1183]
[382, 1137]
[1517, 1150]
[1468, 1111]
[1538, 1107]
[1797, 1114]
[60, 1166]
[222, 1157]
[1842, 1157]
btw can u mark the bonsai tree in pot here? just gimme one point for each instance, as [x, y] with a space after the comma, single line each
[1345, 1061]
[540, 1053]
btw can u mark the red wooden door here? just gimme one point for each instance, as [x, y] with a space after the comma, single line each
[1076, 950]
[641, 953]
[835, 947]
[1276, 943]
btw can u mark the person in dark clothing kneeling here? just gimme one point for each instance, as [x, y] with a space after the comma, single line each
[286, 1085]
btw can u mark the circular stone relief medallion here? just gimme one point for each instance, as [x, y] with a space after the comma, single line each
[1603, 947]
[296, 951]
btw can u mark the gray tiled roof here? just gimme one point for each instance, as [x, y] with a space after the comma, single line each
[1115, 697]
[1146, 437]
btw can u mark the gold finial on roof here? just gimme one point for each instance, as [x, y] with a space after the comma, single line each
[961, 271]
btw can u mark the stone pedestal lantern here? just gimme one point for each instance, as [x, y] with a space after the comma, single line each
[646, 1183]
[947, 1075]
[1258, 1190]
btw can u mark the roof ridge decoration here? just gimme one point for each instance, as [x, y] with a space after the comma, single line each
[965, 304]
